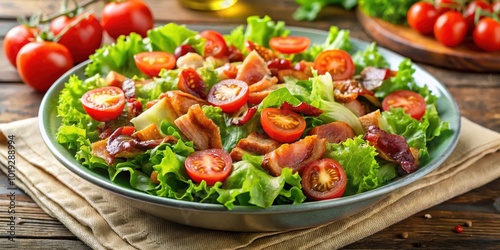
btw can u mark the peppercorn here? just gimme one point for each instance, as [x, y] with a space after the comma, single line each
[459, 229]
[468, 223]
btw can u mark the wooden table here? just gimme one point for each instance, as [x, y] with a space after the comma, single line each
[476, 94]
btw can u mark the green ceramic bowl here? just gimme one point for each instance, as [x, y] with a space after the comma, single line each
[252, 219]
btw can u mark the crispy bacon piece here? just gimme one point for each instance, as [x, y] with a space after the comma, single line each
[333, 132]
[295, 155]
[264, 83]
[134, 108]
[182, 101]
[303, 108]
[255, 144]
[243, 115]
[372, 118]
[253, 69]
[348, 90]
[297, 74]
[372, 78]
[114, 78]
[122, 145]
[197, 127]
[305, 67]
[264, 53]
[393, 148]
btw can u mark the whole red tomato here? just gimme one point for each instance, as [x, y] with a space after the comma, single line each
[446, 5]
[422, 16]
[83, 38]
[450, 28]
[40, 63]
[124, 17]
[15, 39]
[486, 34]
[495, 7]
[470, 11]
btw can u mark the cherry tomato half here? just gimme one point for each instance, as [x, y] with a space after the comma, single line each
[282, 125]
[290, 44]
[230, 95]
[15, 39]
[336, 62]
[412, 103]
[151, 63]
[324, 179]
[40, 64]
[210, 165]
[450, 28]
[191, 82]
[215, 45]
[422, 16]
[124, 17]
[486, 34]
[83, 38]
[104, 104]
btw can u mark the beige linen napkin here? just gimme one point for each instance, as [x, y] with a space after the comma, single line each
[104, 221]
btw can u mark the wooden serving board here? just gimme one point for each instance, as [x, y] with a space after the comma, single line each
[426, 49]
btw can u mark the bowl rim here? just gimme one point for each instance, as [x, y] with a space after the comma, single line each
[47, 119]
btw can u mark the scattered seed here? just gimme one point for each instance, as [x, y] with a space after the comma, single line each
[404, 235]
[459, 229]
[427, 216]
[468, 223]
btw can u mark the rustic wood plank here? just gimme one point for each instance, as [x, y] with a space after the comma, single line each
[11, 108]
[43, 244]
[437, 232]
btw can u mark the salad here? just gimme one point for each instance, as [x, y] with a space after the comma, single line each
[254, 117]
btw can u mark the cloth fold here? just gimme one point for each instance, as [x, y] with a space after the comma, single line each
[105, 221]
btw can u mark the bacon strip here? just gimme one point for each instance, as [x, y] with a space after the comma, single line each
[120, 145]
[393, 148]
[303, 108]
[333, 132]
[253, 69]
[197, 127]
[295, 155]
[255, 144]
[348, 90]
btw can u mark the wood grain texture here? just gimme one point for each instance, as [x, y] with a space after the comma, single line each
[426, 49]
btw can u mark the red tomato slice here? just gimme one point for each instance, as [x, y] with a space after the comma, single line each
[210, 165]
[324, 179]
[104, 104]
[282, 125]
[336, 62]
[230, 95]
[192, 83]
[216, 45]
[412, 103]
[151, 63]
[289, 44]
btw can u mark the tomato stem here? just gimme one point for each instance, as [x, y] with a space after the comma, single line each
[71, 12]
[71, 25]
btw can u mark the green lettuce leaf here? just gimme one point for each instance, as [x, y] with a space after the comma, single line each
[118, 57]
[371, 56]
[248, 184]
[357, 157]
[323, 98]
[261, 30]
[336, 39]
[170, 36]
[309, 9]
